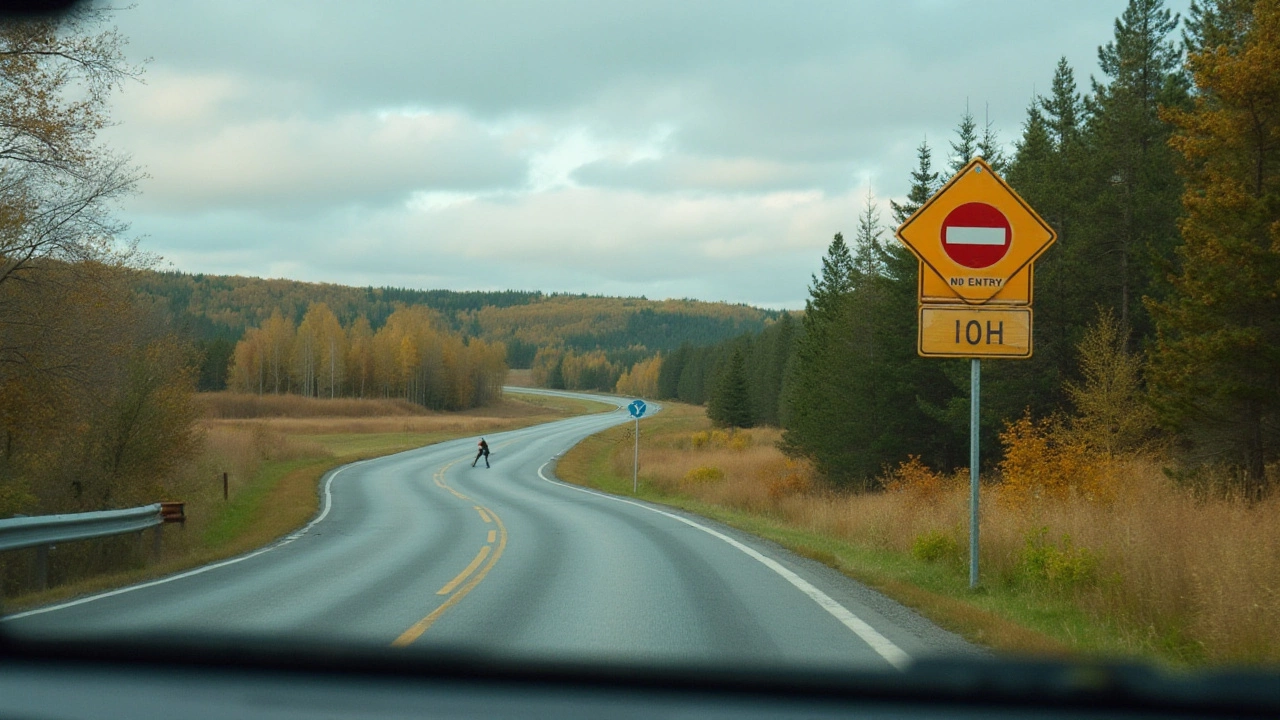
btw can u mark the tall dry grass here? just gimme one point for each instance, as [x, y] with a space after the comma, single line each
[1172, 573]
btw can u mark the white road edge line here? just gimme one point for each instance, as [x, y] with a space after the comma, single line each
[881, 644]
[328, 503]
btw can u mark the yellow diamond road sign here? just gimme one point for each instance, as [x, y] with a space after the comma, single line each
[976, 235]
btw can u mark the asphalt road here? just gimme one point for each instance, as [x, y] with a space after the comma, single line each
[420, 549]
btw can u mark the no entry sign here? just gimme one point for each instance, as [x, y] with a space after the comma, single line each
[977, 239]
[976, 235]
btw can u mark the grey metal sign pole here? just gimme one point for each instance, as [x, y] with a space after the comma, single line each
[637, 408]
[975, 394]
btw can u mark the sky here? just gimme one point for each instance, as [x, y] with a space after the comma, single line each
[706, 150]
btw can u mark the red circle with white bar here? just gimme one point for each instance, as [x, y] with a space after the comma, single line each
[976, 235]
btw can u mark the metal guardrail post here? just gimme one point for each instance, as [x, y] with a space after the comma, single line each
[42, 567]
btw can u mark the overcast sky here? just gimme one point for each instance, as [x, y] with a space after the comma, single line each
[667, 149]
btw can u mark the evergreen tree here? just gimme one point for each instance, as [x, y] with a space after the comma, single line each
[924, 183]
[966, 142]
[671, 370]
[1133, 227]
[693, 377]
[730, 402]
[928, 421]
[812, 409]
[856, 387]
[1048, 172]
[868, 254]
[555, 376]
[989, 148]
[1036, 384]
[766, 366]
[1214, 364]
[1063, 109]
[1211, 23]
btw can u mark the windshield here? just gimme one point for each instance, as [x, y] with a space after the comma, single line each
[823, 335]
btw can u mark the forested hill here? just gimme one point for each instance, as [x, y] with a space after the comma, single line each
[216, 310]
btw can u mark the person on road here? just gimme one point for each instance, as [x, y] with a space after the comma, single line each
[482, 451]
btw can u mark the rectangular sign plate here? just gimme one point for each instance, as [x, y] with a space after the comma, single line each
[960, 331]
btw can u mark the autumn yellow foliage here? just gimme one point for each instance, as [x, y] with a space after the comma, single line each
[641, 380]
[1043, 463]
[912, 477]
[413, 356]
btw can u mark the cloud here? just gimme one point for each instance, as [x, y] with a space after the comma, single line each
[292, 163]
[733, 175]
[704, 149]
[758, 248]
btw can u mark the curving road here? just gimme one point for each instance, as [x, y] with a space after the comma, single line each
[419, 548]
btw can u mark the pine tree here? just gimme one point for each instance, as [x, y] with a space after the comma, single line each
[1134, 224]
[1049, 171]
[1211, 23]
[669, 373]
[924, 183]
[730, 402]
[1214, 365]
[1063, 109]
[824, 307]
[989, 148]
[766, 360]
[868, 255]
[811, 408]
[966, 143]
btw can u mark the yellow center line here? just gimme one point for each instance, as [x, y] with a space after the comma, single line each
[469, 578]
[484, 552]
[413, 633]
[439, 479]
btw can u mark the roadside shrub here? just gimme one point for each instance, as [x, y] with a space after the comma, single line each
[703, 474]
[719, 439]
[1056, 566]
[915, 478]
[795, 478]
[934, 546]
[1043, 462]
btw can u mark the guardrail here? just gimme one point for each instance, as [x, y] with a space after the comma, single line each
[45, 531]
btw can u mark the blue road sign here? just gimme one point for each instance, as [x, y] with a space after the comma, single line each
[637, 408]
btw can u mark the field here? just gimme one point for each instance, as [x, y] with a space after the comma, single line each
[274, 450]
[1151, 570]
